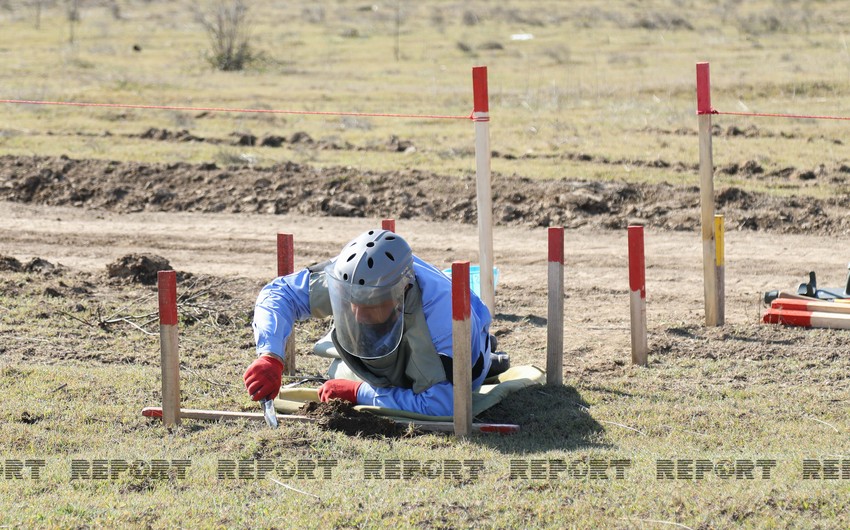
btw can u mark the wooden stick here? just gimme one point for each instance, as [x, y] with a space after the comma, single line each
[790, 295]
[555, 317]
[461, 349]
[805, 305]
[637, 295]
[286, 266]
[808, 319]
[706, 174]
[484, 183]
[428, 426]
[169, 354]
[720, 268]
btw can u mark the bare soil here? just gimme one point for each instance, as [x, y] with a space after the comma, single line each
[340, 415]
[67, 223]
[126, 187]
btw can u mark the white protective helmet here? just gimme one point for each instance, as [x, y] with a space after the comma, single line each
[366, 283]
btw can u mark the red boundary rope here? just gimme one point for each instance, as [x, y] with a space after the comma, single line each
[218, 109]
[771, 115]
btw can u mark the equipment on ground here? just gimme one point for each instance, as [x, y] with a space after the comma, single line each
[810, 289]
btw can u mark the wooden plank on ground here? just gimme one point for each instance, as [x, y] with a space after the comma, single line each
[805, 305]
[430, 426]
[808, 319]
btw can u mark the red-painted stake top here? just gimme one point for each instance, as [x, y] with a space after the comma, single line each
[167, 288]
[637, 271]
[556, 244]
[479, 89]
[460, 291]
[703, 89]
[388, 224]
[285, 255]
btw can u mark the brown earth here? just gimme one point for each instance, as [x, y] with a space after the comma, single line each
[340, 415]
[66, 222]
[126, 187]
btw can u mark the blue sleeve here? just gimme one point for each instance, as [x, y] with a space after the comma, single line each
[437, 305]
[279, 304]
[435, 401]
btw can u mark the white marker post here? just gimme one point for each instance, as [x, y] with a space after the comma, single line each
[169, 356]
[484, 183]
[286, 266]
[555, 317]
[706, 178]
[637, 294]
[461, 348]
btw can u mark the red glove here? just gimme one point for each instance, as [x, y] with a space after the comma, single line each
[262, 378]
[340, 389]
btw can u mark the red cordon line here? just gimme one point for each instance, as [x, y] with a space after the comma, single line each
[769, 115]
[217, 109]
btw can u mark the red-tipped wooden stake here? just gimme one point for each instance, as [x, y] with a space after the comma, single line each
[808, 319]
[388, 224]
[169, 355]
[286, 266]
[555, 319]
[431, 426]
[637, 295]
[706, 179]
[461, 348]
[483, 179]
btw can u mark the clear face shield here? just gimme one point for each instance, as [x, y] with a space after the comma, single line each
[368, 320]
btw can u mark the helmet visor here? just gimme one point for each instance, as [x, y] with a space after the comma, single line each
[368, 320]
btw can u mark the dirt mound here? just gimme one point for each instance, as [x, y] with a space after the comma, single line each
[138, 268]
[8, 263]
[36, 265]
[411, 193]
[340, 415]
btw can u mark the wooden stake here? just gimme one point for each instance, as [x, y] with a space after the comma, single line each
[169, 356]
[637, 295]
[806, 305]
[808, 319]
[720, 268]
[286, 266]
[555, 316]
[435, 426]
[706, 174]
[461, 349]
[484, 183]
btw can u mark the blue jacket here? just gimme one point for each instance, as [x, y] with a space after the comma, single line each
[287, 299]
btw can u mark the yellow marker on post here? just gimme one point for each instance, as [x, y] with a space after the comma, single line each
[720, 268]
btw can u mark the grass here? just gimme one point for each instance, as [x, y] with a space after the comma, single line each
[592, 80]
[73, 390]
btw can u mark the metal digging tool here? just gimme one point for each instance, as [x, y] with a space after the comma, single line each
[269, 413]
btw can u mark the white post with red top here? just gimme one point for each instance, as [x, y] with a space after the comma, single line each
[706, 196]
[461, 348]
[555, 318]
[169, 356]
[481, 118]
[637, 294]
[286, 266]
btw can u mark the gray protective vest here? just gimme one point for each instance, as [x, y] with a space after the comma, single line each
[415, 364]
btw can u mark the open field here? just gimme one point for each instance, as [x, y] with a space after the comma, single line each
[593, 128]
